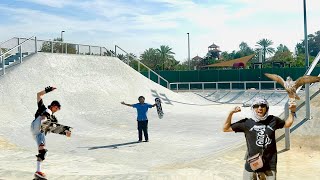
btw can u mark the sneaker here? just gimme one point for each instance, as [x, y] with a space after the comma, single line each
[40, 175]
[139, 141]
[146, 141]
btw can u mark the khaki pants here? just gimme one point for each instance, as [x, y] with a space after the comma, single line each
[267, 175]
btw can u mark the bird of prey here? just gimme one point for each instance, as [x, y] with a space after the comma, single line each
[291, 86]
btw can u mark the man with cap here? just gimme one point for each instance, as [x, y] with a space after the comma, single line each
[259, 130]
[38, 130]
[142, 119]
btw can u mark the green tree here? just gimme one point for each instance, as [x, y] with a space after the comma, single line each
[245, 50]
[265, 44]
[313, 44]
[151, 58]
[283, 54]
[58, 47]
[166, 56]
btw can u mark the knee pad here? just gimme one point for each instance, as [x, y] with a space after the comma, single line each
[42, 154]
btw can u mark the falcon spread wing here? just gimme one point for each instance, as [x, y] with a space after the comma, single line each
[306, 79]
[275, 77]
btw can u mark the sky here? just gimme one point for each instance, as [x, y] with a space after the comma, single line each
[136, 25]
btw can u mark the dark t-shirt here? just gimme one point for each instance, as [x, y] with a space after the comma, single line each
[255, 133]
[41, 109]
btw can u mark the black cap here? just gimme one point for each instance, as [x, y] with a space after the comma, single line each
[55, 103]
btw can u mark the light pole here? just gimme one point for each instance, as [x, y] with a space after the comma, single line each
[307, 59]
[62, 41]
[189, 50]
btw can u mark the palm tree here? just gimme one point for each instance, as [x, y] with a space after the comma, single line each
[150, 57]
[166, 55]
[265, 44]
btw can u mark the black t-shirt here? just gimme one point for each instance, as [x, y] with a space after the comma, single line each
[255, 133]
[41, 109]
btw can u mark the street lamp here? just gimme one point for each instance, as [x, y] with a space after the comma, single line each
[307, 59]
[188, 50]
[62, 41]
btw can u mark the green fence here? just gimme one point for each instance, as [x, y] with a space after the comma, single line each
[231, 75]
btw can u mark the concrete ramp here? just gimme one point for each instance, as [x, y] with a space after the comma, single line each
[103, 144]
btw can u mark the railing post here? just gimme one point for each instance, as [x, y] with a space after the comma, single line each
[51, 46]
[216, 86]
[20, 49]
[66, 48]
[158, 80]
[189, 86]
[259, 85]
[78, 48]
[274, 85]
[245, 86]
[149, 73]
[89, 50]
[100, 51]
[115, 50]
[287, 130]
[3, 65]
[177, 87]
[35, 45]
[230, 85]
[202, 87]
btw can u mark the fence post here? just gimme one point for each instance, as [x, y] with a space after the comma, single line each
[287, 130]
[245, 86]
[216, 86]
[115, 50]
[177, 87]
[100, 51]
[78, 48]
[230, 85]
[89, 50]
[189, 86]
[158, 80]
[66, 48]
[149, 73]
[202, 87]
[35, 45]
[274, 85]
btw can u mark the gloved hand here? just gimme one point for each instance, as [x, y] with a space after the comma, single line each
[49, 89]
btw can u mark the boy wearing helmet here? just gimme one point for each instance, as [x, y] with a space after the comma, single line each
[259, 130]
[42, 115]
[142, 119]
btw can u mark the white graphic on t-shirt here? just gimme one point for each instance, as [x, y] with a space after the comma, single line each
[260, 130]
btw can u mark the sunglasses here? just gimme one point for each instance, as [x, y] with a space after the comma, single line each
[261, 105]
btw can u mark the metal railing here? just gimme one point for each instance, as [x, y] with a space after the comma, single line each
[139, 66]
[232, 85]
[19, 51]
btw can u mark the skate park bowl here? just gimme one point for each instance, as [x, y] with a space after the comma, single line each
[188, 143]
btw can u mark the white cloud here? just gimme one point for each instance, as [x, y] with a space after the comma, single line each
[139, 27]
[52, 3]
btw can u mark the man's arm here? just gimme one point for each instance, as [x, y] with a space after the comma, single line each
[289, 121]
[227, 124]
[43, 92]
[130, 105]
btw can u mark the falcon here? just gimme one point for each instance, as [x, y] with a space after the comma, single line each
[291, 86]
